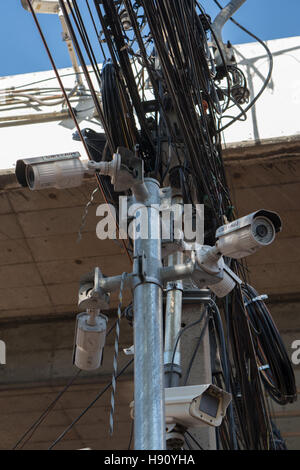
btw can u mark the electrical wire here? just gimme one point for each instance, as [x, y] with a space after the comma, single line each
[269, 75]
[201, 336]
[254, 424]
[62, 5]
[181, 332]
[99, 395]
[194, 440]
[220, 337]
[186, 119]
[273, 361]
[32, 429]
[131, 435]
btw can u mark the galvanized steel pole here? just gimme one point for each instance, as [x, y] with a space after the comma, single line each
[149, 408]
[173, 313]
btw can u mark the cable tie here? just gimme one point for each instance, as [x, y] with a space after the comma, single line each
[256, 299]
[266, 366]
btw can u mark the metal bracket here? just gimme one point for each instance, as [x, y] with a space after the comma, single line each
[91, 296]
[171, 244]
[139, 270]
[126, 169]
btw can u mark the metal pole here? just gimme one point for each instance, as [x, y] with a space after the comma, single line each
[149, 408]
[172, 327]
[173, 316]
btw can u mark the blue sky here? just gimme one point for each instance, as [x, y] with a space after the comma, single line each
[22, 50]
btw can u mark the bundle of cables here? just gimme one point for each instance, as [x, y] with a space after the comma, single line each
[273, 361]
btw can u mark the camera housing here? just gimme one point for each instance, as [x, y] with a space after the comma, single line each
[89, 340]
[53, 171]
[194, 405]
[246, 235]
[212, 272]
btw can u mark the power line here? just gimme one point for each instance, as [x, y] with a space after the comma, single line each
[100, 394]
[267, 80]
[51, 406]
[45, 413]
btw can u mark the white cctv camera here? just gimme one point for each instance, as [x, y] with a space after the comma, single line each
[196, 405]
[42, 6]
[54, 171]
[89, 340]
[246, 235]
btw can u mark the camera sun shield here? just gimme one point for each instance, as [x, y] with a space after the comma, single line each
[246, 235]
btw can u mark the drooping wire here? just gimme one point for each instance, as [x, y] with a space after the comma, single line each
[267, 80]
[71, 110]
[99, 395]
[194, 440]
[274, 363]
[181, 332]
[33, 428]
[198, 344]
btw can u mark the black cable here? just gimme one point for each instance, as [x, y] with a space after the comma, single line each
[181, 332]
[187, 443]
[196, 350]
[131, 435]
[194, 440]
[269, 75]
[62, 435]
[252, 415]
[95, 29]
[225, 367]
[50, 407]
[45, 413]
[275, 366]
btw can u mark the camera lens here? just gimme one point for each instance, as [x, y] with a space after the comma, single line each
[30, 176]
[261, 230]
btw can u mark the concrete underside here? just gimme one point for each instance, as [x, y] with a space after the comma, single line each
[41, 263]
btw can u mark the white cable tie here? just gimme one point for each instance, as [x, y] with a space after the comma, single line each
[129, 351]
[256, 299]
[266, 366]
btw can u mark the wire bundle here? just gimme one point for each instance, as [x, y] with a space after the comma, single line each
[255, 431]
[179, 140]
[273, 361]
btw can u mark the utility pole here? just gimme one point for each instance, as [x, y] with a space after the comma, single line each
[149, 409]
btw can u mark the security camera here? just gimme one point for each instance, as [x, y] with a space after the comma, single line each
[89, 340]
[246, 235]
[42, 6]
[54, 171]
[194, 405]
